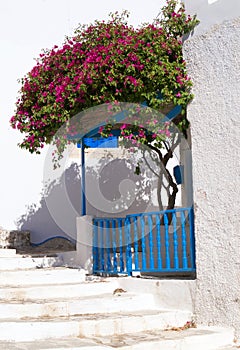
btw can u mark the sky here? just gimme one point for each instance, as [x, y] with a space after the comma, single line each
[26, 27]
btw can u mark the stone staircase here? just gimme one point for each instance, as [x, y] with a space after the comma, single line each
[44, 305]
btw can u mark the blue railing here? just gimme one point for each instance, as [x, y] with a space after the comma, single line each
[150, 242]
[70, 240]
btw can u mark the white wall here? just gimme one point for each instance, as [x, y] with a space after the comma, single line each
[211, 12]
[26, 27]
[214, 65]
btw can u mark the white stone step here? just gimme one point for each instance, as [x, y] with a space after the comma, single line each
[51, 276]
[21, 262]
[106, 303]
[229, 347]
[202, 338]
[170, 294]
[7, 253]
[55, 344]
[91, 325]
[207, 338]
[59, 292]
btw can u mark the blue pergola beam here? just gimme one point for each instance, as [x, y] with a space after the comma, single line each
[173, 113]
[83, 180]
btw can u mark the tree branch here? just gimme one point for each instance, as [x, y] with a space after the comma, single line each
[169, 154]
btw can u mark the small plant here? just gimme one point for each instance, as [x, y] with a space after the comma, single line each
[189, 324]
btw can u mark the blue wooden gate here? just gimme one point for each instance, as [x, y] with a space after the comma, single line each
[161, 242]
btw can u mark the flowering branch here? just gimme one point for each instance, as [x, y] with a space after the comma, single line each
[104, 62]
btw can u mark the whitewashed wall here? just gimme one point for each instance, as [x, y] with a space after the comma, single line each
[213, 60]
[212, 12]
[26, 27]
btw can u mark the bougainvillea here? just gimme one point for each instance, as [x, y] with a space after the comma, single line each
[111, 62]
[103, 62]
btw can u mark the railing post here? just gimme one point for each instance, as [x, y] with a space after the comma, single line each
[159, 255]
[184, 241]
[102, 257]
[136, 261]
[120, 221]
[175, 241]
[83, 179]
[108, 245]
[128, 246]
[165, 219]
[192, 238]
[115, 265]
[150, 237]
[144, 263]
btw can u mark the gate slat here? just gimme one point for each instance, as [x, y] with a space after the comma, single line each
[175, 241]
[159, 256]
[165, 216]
[150, 239]
[121, 258]
[184, 241]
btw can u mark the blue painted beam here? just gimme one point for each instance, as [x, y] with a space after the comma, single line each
[173, 113]
[83, 180]
[100, 142]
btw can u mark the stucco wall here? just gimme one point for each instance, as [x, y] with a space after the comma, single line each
[213, 62]
[211, 12]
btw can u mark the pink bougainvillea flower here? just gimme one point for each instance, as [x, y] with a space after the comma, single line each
[123, 126]
[105, 62]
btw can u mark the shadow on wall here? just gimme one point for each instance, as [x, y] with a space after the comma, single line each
[112, 189]
[40, 219]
